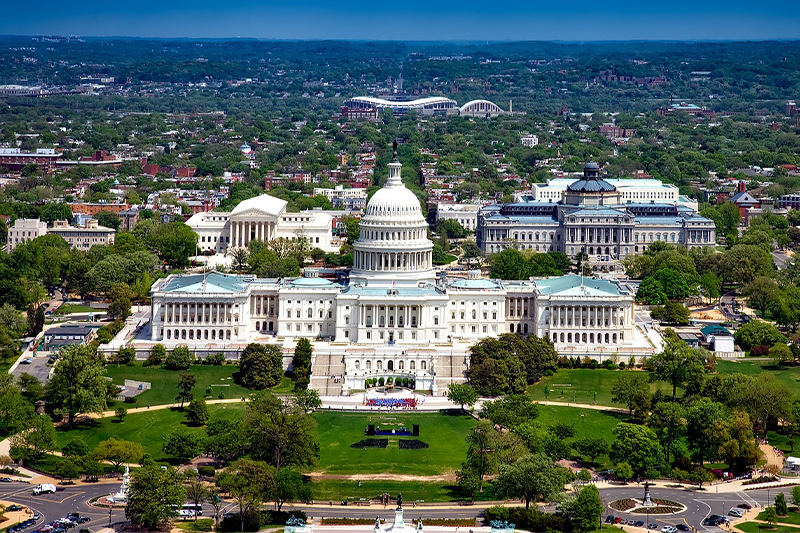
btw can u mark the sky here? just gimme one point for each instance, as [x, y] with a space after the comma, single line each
[465, 20]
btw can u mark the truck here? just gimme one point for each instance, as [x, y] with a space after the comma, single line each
[44, 488]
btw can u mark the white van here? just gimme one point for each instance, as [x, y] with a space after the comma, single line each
[45, 488]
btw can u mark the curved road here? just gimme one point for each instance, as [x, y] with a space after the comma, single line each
[699, 504]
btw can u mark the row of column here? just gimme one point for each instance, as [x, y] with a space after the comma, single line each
[393, 261]
[596, 234]
[405, 314]
[262, 305]
[594, 316]
[191, 313]
[519, 307]
[245, 231]
[700, 236]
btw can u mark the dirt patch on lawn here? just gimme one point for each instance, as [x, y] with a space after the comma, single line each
[447, 477]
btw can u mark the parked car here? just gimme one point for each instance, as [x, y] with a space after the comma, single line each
[27, 361]
[6, 480]
[14, 507]
[44, 488]
[683, 527]
[669, 529]
[610, 519]
[735, 511]
[652, 526]
[639, 523]
[746, 506]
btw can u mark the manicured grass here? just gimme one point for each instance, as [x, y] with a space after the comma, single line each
[444, 433]
[755, 527]
[338, 490]
[583, 385]
[788, 375]
[585, 422]
[793, 518]
[164, 383]
[192, 525]
[75, 308]
[147, 428]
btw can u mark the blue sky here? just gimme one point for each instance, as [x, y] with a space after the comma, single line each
[410, 19]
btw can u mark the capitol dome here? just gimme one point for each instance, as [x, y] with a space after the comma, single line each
[393, 247]
[591, 182]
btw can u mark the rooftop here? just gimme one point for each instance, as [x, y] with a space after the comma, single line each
[574, 285]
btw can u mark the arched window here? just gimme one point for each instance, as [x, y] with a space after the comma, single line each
[423, 365]
[310, 313]
[436, 321]
[228, 335]
[358, 364]
[511, 328]
[369, 364]
[412, 365]
[525, 328]
[401, 365]
[562, 337]
[379, 364]
[474, 314]
[569, 337]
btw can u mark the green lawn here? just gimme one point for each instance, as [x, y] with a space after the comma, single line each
[443, 432]
[793, 518]
[755, 527]
[789, 376]
[585, 422]
[338, 490]
[146, 428]
[164, 383]
[583, 385]
[75, 308]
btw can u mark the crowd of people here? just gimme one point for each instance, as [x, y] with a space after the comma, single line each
[394, 403]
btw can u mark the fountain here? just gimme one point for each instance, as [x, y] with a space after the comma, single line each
[122, 494]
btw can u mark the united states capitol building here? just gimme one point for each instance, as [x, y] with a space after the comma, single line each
[599, 217]
[396, 316]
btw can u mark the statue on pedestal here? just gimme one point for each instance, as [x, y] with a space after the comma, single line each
[400, 501]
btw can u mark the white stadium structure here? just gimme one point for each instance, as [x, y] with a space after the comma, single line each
[432, 105]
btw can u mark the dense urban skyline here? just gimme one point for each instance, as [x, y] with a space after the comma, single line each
[414, 20]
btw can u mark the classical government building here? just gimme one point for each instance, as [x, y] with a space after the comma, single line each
[612, 218]
[396, 316]
[264, 218]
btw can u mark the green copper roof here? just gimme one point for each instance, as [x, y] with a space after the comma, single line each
[572, 285]
[213, 282]
[310, 282]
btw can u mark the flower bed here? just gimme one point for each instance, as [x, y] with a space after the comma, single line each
[629, 505]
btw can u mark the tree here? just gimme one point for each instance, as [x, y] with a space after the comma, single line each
[781, 354]
[185, 386]
[302, 359]
[173, 242]
[509, 264]
[765, 398]
[509, 363]
[260, 366]
[216, 501]
[39, 438]
[623, 471]
[248, 483]
[672, 313]
[770, 516]
[76, 447]
[627, 386]
[196, 492]
[705, 428]
[468, 479]
[182, 444]
[307, 400]
[651, 292]
[757, 333]
[675, 286]
[462, 394]
[107, 219]
[120, 412]
[120, 295]
[239, 259]
[117, 452]
[157, 355]
[36, 316]
[16, 413]
[533, 477]
[67, 470]
[636, 445]
[126, 355]
[278, 433]
[154, 496]
[591, 447]
[197, 414]
[760, 293]
[289, 488]
[780, 505]
[78, 384]
[180, 358]
[676, 364]
[668, 420]
[796, 495]
[225, 439]
[587, 509]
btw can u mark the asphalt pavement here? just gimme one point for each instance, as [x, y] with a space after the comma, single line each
[699, 504]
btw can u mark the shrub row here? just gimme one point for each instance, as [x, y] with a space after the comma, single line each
[447, 522]
[256, 520]
[412, 444]
[380, 382]
[530, 519]
[347, 521]
[371, 443]
[587, 362]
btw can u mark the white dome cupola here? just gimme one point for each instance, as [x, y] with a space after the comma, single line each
[393, 248]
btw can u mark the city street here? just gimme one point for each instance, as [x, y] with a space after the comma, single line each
[698, 504]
